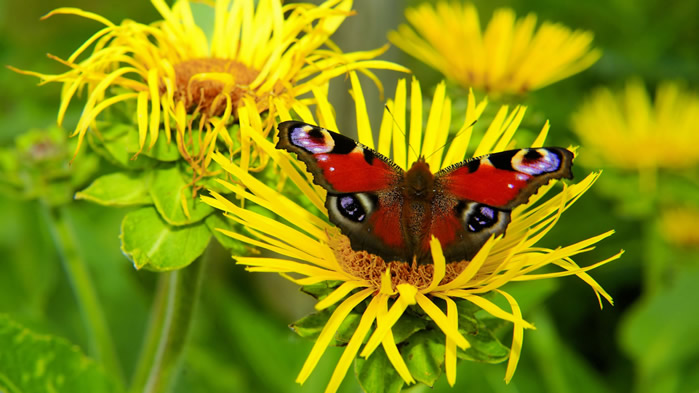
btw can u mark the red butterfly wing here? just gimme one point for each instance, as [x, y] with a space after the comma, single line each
[363, 200]
[338, 163]
[506, 179]
[476, 196]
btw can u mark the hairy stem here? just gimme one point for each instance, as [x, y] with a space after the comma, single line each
[170, 320]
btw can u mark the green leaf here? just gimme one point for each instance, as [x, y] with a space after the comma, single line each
[424, 355]
[347, 328]
[161, 151]
[312, 324]
[118, 189]
[376, 374]
[485, 347]
[218, 221]
[408, 324]
[116, 145]
[30, 362]
[153, 244]
[321, 289]
[127, 135]
[168, 190]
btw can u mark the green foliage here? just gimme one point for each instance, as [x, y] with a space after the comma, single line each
[153, 244]
[659, 333]
[118, 189]
[376, 373]
[30, 362]
[169, 190]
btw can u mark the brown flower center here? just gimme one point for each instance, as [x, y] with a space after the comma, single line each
[207, 95]
[370, 267]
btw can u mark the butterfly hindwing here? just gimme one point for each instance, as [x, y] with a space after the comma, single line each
[362, 198]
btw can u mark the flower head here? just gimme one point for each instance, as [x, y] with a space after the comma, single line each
[631, 131]
[510, 56]
[261, 56]
[313, 251]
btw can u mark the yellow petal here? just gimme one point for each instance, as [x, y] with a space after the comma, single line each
[328, 332]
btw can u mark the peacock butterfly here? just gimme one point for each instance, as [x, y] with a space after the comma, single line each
[392, 213]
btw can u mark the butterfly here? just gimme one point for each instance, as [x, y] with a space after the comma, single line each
[393, 213]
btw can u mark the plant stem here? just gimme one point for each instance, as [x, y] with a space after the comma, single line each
[100, 341]
[170, 320]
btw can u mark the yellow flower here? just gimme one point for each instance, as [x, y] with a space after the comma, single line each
[679, 226]
[313, 251]
[508, 57]
[261, 56]
[627, 130]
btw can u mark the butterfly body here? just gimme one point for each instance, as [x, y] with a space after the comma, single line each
[393, 213]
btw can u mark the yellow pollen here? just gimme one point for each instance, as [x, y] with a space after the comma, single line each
[370, 267]
[200, 94]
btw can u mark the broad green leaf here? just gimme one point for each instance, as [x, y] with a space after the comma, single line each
[485, 347]
[153, 244]
[347, 328]
[321, 289]
[30, 362]
[118, 189]
[312, 324]
[408, 324]
[218, 221]
[376, 374]
[161, 150]
[424, 355]
[114, 145]
[169, 190]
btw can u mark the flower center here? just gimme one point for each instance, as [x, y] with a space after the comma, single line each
[207, 93]
[370, 267]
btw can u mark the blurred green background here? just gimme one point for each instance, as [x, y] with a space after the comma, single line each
[240, 341]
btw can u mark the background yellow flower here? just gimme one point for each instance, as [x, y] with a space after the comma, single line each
[509, 56]
[630, 130]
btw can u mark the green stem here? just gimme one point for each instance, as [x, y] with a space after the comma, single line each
[100, 341]
[171, 316]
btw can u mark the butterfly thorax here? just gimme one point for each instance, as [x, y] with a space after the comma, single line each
[418, 183]
[418, 192]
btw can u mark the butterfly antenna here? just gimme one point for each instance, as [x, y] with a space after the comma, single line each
[455, 136]
[400, 129]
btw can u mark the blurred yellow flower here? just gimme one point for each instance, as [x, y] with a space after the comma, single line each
[508, 57]
[314, 251]
[679, 226]
[631, 131]
[261, 56]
